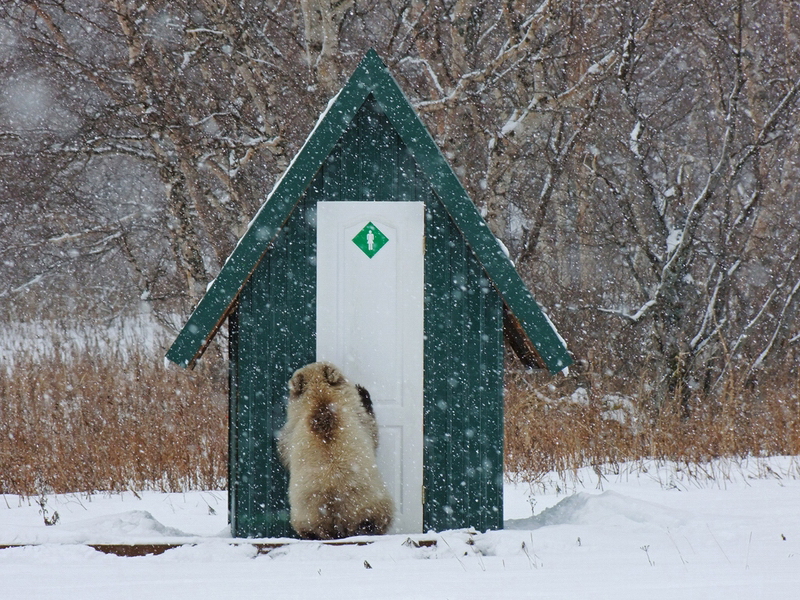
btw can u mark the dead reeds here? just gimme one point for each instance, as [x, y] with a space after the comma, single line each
[82, 422]
[577, 423]
[79, 419]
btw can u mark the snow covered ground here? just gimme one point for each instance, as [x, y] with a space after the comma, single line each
[727, 530]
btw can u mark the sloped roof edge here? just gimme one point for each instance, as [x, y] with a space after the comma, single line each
[223, 291]
[370, 77]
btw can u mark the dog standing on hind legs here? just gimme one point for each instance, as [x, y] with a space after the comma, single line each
[328, 444]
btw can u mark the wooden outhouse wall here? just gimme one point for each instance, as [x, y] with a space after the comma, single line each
[273, 333]
[463, 384]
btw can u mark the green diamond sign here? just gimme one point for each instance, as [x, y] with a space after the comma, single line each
[370, 239]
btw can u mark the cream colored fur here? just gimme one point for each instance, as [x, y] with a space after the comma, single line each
[328, 444]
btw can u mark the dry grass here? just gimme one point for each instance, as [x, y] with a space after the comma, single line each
[83, 422]
[86, 422]
[552, 428]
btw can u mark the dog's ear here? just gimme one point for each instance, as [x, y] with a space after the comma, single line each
[332, 375]
[366, 401]
[296, 385]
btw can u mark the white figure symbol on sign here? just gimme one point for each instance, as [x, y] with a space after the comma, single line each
[370, 240]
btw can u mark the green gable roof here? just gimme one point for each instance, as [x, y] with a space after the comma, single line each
[530, 332]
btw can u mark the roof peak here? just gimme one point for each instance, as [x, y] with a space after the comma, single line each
[370, 78]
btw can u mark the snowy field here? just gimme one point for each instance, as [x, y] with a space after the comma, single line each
[727, 530]
[118, 337]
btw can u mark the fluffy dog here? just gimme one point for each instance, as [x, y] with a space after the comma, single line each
[328, 444]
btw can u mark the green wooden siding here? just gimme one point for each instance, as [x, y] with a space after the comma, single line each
[371, 163]
[272, 333]
[463, 383]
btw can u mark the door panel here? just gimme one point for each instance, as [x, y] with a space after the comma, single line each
[370, 321]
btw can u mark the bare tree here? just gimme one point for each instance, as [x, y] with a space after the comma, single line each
[636, 156]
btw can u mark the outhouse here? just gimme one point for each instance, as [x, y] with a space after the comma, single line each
[368, 253]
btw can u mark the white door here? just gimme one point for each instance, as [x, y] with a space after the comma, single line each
[370, 285]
